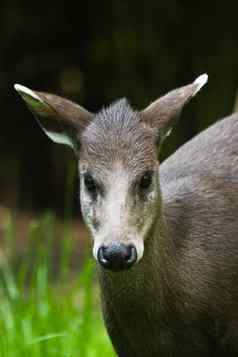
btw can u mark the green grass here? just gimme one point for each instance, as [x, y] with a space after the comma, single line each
[46, 312]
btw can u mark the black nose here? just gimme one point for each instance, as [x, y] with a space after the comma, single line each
[117, 256]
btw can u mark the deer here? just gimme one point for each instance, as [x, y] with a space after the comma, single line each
[164, 236]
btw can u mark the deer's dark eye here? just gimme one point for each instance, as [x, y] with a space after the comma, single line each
[146, 181]
[90, 184]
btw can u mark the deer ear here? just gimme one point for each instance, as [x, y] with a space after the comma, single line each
[61, 119]
[163, 114]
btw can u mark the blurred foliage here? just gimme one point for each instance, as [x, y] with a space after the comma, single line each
[44, 312]
[94, 52]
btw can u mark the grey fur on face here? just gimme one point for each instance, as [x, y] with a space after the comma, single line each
[117, 150]
[183, 294]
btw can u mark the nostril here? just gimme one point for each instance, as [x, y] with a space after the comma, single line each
[131, 256]
[108, 252]
[102, 256]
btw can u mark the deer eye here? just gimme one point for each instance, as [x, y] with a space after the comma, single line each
[90, 184]
[145, 181]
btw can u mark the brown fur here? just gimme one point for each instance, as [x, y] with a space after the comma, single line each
[181, 298]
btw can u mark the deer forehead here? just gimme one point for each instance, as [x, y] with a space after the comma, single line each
[117, 133]
[111, 156]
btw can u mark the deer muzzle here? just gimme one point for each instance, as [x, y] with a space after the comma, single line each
[117, 256]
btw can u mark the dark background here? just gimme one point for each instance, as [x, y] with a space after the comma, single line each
[95, 52]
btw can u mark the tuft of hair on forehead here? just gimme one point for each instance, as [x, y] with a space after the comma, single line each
[119, 115]
[111, 122]
[117, 135]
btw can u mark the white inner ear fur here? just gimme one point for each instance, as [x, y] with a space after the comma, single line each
[24, 90]
[58, 138]
[200, 81]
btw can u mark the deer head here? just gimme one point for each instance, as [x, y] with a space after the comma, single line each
[117, 150]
